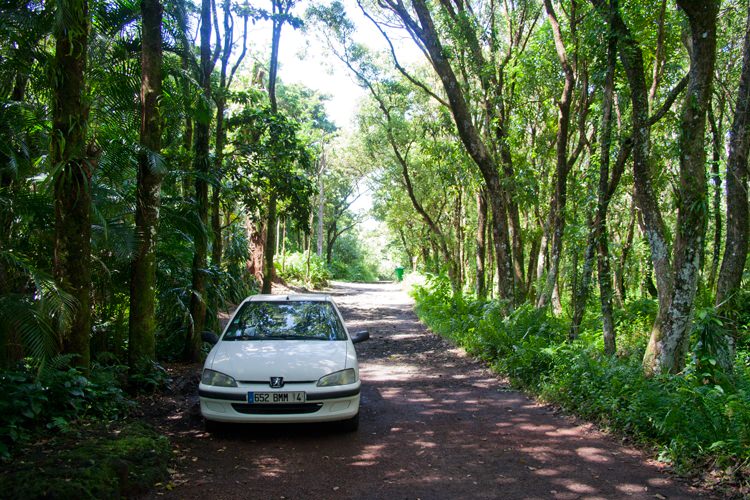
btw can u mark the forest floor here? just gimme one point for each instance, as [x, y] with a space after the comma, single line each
[435, 424]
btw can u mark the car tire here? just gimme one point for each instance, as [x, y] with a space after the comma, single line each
[352, 424]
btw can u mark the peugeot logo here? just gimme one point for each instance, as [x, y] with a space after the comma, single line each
[277, 382]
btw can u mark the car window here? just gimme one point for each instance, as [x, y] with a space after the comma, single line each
[297, 320]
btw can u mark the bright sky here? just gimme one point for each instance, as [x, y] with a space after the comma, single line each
[303, 59]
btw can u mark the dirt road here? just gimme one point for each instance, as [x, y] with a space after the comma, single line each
[434, 425]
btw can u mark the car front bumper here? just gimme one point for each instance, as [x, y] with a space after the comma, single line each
[223, 404]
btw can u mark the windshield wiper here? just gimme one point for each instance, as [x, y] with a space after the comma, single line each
[243, 337]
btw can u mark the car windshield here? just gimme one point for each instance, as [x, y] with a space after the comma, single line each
[296, 320]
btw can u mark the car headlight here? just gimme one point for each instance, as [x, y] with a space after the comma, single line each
[343, 377]
[212, 377]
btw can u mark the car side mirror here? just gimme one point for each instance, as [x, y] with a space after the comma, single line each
[210, 337]
[360, 336]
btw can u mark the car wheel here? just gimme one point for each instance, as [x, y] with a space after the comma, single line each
[352, 424]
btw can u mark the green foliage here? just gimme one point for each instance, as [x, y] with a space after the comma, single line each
[712, 356]
[702, 415]
[295, 270]
[103, 464]
[147, 377]
[359, 271]
[54, 398]
[351, 261]
[271, 159]
[633, 323]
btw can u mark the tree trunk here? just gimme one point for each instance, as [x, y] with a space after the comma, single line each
[653, 223]
[581, 291]
[201, 166]
[557, 308]
[426, 257]
[405, 244]
[217, 247]
[459, 236]
[658, 56]
[321, 203]
[598, 241]
[716, 147]
[541, 262]
[514, 221]
[533, 256]
[469, 135]
[269, 246]
[279, 10]
[481, 286]
[605, 192]
[73, 170]
[255, 239]
[619, 278]
[142, 323]
[563, 167]
[668, 345]
[735, 251]
[187, 137]
[330, 239]
[490, 260]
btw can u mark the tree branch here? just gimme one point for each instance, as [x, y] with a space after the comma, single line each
[397, 64]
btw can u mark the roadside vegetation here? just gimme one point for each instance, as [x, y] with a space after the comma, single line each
[699, 420]
[576, 172]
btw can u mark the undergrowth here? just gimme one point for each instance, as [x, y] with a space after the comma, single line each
[303, 269]
[56, 399]
[96, 463]
[66, 435]
[699, 419]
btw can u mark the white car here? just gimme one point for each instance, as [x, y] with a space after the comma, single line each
[283, 359]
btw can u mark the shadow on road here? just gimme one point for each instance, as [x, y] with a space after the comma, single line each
[434, 424]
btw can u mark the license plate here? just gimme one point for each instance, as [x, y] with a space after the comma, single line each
[264, 398]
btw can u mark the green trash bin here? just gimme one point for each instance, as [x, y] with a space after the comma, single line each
[399, 273]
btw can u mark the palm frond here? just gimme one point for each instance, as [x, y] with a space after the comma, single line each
[35, 317]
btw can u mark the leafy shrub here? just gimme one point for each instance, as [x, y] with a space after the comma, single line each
[55, 398]
[295, 270]
[103, 464]
[700, 416]
[357, 271]
[633, 324]
[353, 260]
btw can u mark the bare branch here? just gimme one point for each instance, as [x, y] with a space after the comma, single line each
[242, 54]
[397, 64]
[676, 91]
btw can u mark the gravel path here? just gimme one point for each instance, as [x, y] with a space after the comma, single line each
[434, 425]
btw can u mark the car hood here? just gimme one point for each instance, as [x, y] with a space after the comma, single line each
[295, 360]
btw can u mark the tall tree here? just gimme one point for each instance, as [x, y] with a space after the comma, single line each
[280, 15]
[72, 167]
[605, 191]
[201, 167]
[424, 29]
[142, 344]
[563, 165]
[226, 76]
[481, 283]
[669, 343]
[735, 252]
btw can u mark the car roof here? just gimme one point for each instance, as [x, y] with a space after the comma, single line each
[294, 297]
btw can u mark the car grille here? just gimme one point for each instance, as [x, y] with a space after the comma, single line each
[277, 409]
